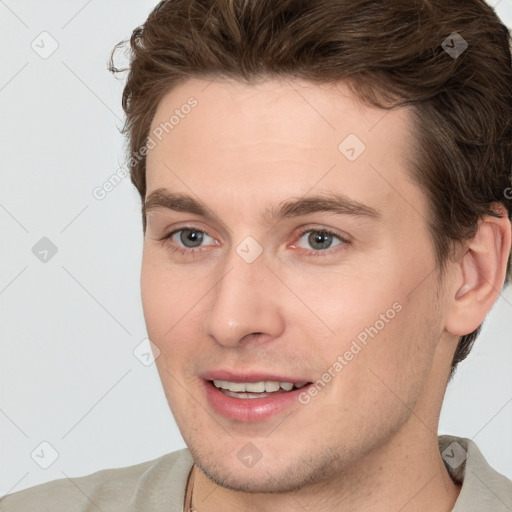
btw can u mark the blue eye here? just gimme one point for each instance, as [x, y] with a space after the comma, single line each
[190, 236]
[186, 240]
[320, 239]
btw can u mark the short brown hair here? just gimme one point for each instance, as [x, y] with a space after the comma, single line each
[390, 52]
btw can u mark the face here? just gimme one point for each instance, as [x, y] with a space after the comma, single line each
[287, 251]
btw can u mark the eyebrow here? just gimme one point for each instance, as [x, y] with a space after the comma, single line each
[328, 203]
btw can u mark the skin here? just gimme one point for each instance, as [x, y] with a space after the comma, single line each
[368, 440]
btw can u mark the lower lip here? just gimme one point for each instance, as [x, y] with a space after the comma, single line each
[249, 410]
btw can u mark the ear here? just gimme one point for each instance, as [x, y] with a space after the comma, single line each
[481, 273]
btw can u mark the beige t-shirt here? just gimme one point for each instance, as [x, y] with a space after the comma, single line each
[159, 485]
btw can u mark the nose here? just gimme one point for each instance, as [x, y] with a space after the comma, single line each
[244, 304]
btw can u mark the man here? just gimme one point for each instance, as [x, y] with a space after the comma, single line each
[326, 207]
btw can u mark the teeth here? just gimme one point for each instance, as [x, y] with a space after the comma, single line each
[257, 387]
[253, 387]
[272, 386]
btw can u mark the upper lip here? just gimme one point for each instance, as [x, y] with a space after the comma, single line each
[249, 376]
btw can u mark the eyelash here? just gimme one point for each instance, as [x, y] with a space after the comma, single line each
[325, 252]
[188, 251]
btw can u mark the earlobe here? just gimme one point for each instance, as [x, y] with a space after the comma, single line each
[482, 274]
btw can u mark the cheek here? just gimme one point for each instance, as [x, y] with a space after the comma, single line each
[160, 283]
[163, 298]
[384, 339]
[396, 362]
[173, 304]
[155, 300]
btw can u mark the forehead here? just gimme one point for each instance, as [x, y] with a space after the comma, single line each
[277, 137]
[283, 106]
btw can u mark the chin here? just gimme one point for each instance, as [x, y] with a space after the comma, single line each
[252, 482]
[270, 476]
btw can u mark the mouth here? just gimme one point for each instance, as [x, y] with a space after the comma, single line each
[253, 400]
[254, 390]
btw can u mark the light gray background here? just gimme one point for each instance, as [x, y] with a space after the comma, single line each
[69, 326]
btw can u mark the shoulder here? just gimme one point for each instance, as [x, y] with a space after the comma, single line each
[145, 486]
[483, 488]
